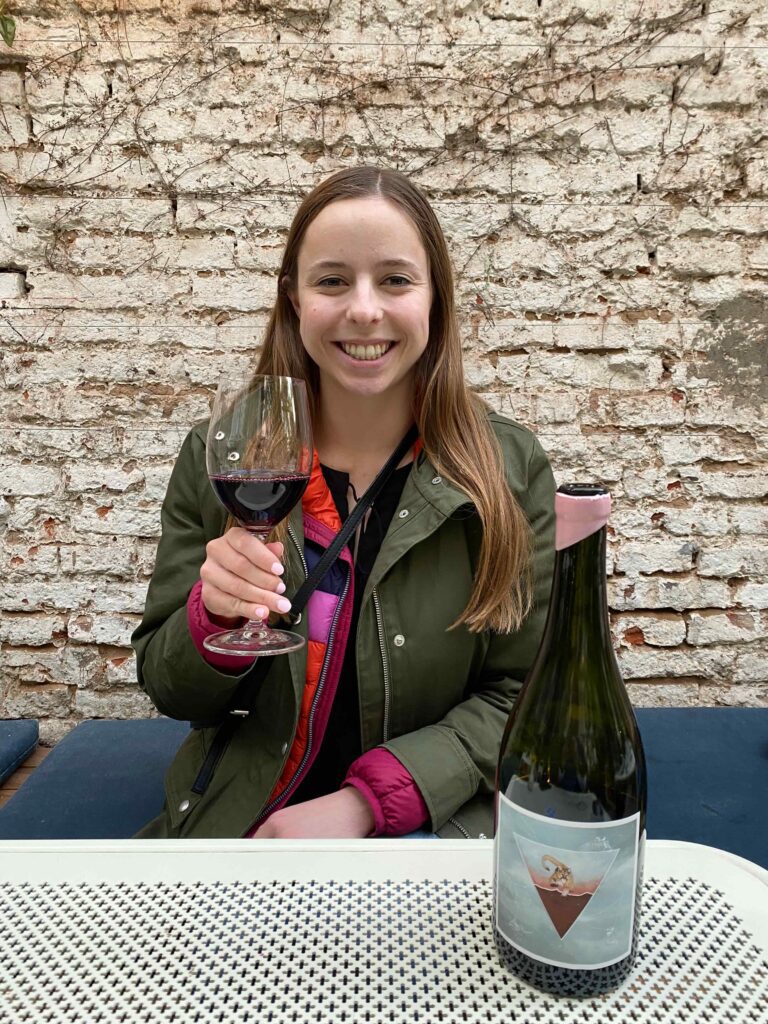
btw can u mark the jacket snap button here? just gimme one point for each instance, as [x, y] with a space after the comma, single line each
[399, 640]
[184, 805]
[403, 513]
[437, 479]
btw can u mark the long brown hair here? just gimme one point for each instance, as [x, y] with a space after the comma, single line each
[453, 423]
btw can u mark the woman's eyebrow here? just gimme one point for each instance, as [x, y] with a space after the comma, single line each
[326, 265]
[340, 265]
[400, 262]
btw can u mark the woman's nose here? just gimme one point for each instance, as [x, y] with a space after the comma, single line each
[364, 305]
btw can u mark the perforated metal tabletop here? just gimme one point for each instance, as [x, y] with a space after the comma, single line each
[378, 931]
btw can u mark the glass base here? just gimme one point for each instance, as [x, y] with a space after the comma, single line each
[253, 640]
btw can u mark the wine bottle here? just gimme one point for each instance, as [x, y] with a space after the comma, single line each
[571, 784]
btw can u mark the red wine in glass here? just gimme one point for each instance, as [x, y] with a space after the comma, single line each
[259, 499]
[259, 456]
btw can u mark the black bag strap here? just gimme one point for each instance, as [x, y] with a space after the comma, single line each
[245, 694]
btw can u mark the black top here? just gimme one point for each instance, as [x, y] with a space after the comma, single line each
[341, 743]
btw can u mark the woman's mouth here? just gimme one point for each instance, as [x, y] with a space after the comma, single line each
[365, 353]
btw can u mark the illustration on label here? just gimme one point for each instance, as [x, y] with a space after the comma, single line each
[565, 883]
[566, 890]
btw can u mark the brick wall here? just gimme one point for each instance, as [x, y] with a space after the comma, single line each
[600, 170]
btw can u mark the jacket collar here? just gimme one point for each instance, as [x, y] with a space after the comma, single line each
[318, 502]
[427, 502]
[438, 491]
[428, 505]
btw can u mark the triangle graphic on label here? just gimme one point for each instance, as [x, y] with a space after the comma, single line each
[565, 880]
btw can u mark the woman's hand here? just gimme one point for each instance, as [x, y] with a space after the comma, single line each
[241, 577]
[342, 815]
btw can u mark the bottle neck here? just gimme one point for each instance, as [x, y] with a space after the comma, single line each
[578, 608]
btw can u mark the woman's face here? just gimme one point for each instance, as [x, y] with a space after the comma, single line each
[363, 295]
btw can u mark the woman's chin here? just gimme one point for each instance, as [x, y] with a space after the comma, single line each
[373, 386]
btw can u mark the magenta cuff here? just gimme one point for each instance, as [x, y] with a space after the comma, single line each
[201, 626]
[396, 801]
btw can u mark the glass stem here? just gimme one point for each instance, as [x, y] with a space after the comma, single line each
[254, 628]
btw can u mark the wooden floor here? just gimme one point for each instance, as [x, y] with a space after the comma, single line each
[13, 782]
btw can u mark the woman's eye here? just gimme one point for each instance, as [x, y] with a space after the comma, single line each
[329, 282]
[398, 280]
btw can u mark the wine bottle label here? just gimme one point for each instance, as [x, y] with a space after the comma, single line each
[565, 891]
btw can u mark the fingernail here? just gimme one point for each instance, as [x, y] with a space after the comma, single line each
[261, 613]
[277, 569]
[280, 588]
[284, 605]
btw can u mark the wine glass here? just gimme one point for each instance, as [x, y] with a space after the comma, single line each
[259, 457]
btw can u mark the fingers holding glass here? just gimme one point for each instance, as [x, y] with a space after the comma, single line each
[230, 596]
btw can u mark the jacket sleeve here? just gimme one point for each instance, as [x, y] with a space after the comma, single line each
[394, 798]
[455, 759]
[201, 625]
[180, 682]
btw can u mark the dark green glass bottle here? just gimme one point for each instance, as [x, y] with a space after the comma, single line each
[571, 784]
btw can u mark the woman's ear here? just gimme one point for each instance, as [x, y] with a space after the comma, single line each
[286, 286]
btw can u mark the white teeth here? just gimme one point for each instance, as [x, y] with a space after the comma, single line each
[366, 351]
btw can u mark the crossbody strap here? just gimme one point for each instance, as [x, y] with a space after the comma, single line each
[245, 694]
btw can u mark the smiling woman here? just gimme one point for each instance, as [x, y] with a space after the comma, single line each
[365, 325]
[420, 634]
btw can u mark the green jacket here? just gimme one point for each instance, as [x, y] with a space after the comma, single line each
[437, 700]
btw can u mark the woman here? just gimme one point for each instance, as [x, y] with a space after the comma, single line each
[392, 721]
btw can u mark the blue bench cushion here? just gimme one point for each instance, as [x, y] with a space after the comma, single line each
[104, 780]
[18, 740]
[708, 777]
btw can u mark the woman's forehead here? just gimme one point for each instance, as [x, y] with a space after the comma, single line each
[370, 228]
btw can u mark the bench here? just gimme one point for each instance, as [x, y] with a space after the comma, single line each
[18, 740]
[707, 779]
[103, 780]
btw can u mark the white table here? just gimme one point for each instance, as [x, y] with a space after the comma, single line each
[388, 931]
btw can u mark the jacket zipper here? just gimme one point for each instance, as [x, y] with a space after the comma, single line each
[384, 660]
[461, 828]
[315, 701]
[298, 547]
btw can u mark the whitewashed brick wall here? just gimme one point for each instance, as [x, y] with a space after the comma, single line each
[601, 171]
